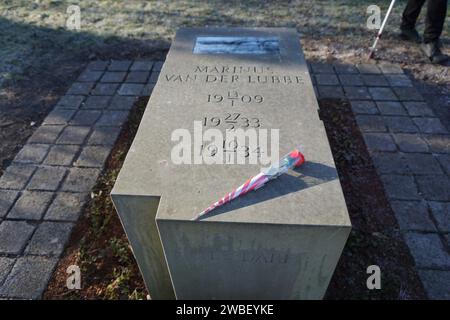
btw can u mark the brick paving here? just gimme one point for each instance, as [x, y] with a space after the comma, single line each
[43, 191]
[410, 148]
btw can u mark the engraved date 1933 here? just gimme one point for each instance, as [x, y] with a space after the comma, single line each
[232, 121]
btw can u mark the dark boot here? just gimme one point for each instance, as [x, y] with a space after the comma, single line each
[433, 51]
[410, 35]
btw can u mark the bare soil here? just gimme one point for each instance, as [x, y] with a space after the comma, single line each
[98, 244]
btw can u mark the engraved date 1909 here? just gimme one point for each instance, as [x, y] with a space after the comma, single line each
[235, 98]
[232, 121]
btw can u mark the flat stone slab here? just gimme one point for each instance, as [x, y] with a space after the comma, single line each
[93, 156]
[105, 89]
[113, 118]
[119, 65]
[73, 135]
[400, 187]
[16, 176]
[436, 283]
[96, 102]
[423, 163]
[6, 265]
[104, 136]
[46, 134]
[430, 125]
[434, 187]
[351, 80]
[28, 278]
[438, 143]
[444, 160]
[280, 219]
[122, 102]
[85, 118]
[66, 206]
[364, 107]
[7, 198]
[81, 88]
[32, 153]
[400, 124]
[391, 108]
[366, 68]
[427, 250]
[408, 142]
[14, 236]
[418, 109]
[89, 76]
[369, 123]
[412, 216]
[97, 65]
[59, 116]
[388, 162]
[70, 101]
[80, 180]
[131, 89]
[61, 155]
[382, 93]
[118, 76]
[137, 77]
[49, 238]
[142, 65]
[31, 205]
[379, 142]
[47, 178]
[441, 213]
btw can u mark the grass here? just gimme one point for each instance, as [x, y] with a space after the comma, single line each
[34, 32]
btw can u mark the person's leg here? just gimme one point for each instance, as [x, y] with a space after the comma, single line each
[436, 12]
[410, 14]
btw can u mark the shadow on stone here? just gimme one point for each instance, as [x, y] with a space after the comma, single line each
[308, 175]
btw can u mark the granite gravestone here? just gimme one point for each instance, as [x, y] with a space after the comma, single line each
[280, 242]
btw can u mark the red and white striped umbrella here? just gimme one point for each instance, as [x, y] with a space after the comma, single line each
[293, 159]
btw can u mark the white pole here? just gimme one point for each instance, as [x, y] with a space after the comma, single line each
[372, 49]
